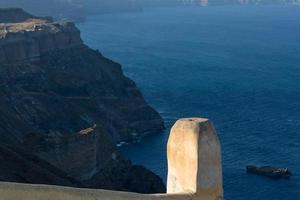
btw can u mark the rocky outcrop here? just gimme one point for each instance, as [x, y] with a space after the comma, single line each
[66, 103]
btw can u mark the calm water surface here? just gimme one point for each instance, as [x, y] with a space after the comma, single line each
[238, 66]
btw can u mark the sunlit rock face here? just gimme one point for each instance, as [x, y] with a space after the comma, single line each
[65, 102]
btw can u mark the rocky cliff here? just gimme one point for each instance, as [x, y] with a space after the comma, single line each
[67, 104]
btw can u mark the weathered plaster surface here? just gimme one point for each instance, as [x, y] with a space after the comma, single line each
[194, 158]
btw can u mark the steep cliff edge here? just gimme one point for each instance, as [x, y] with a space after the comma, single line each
[66, 103]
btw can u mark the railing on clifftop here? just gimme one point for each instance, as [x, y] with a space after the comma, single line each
[194, 171]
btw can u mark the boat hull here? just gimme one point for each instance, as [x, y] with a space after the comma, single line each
[268, 171]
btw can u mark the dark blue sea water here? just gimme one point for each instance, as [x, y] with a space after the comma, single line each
[238, 66]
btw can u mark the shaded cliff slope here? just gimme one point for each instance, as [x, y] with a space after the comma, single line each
[19, 166]
[66, 103]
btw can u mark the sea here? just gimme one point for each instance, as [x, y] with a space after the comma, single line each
[239, 66]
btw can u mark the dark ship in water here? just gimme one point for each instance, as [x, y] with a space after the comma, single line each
[271, 172]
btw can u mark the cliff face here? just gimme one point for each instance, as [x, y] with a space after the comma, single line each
[65, 102]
